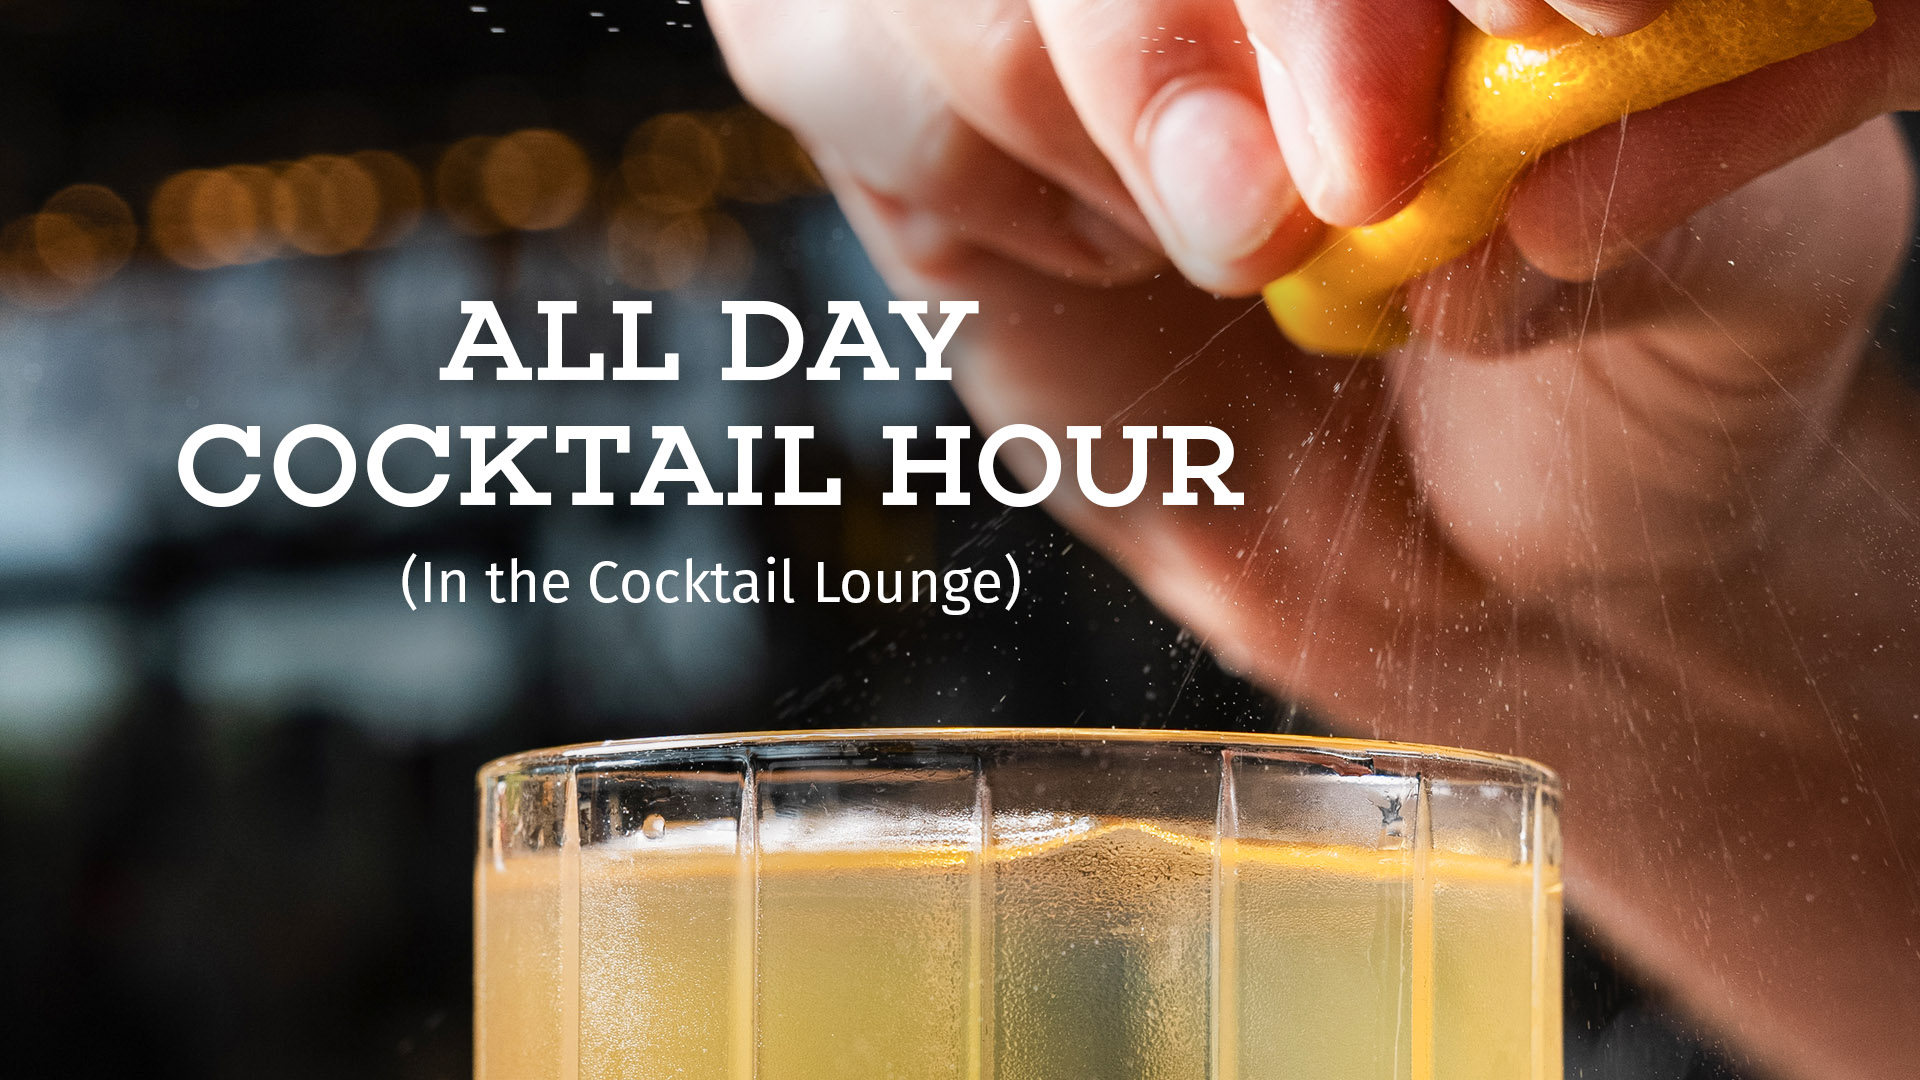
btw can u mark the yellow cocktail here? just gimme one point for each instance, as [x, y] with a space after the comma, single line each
[1017, 905]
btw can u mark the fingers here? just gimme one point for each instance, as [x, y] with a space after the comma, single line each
[1168, 91]
[988, 59]
[1353, 90]
[873, 119]
[1588, 203]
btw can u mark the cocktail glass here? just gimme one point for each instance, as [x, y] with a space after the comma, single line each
[1019, 904]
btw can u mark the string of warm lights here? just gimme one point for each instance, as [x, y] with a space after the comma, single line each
[658, 211]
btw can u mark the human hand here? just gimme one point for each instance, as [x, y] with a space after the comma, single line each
[1223, 132]
[1657, 532]
[1669, 554]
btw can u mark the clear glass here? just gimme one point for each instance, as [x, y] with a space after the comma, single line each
[1034, 904]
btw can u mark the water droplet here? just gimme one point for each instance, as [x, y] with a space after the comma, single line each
[654, 827]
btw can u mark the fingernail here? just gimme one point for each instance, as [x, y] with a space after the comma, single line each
[1217, 172]
[1603, 19]
[1116, 248]
[1287, 113]
[1511, 18]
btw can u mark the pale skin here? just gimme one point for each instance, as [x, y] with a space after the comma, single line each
[1640, 503]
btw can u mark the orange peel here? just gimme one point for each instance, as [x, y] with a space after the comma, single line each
[1505, 103]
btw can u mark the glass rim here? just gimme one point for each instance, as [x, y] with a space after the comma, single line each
[1359, 751]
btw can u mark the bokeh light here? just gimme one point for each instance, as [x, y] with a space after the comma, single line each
[170, 224]
[203, 218]
[535, 179]
[456, 186]
[661, 208]
[325, 204]
[402, 195]
[673, 164]
[84, 234]
[234, 214]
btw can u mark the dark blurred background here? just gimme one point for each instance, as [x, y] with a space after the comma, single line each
[235, 771]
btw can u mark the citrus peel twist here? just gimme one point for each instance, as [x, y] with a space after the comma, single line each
[1505, 103]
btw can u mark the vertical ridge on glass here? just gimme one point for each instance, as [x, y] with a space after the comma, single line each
[979, 1035]
[1223, 975]
[746, 927]
[569, 1064]
[1420, 975]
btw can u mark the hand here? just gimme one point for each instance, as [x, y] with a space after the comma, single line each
[1222, 133]
[1671, 556]
[1659, 536]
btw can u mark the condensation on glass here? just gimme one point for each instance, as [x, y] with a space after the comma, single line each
[1020, 905]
